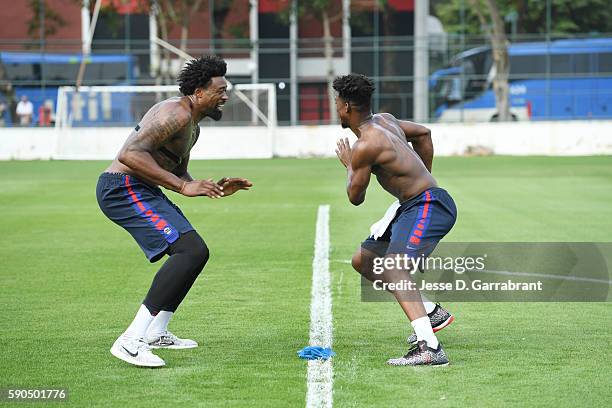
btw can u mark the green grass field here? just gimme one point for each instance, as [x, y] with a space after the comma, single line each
[71, 282]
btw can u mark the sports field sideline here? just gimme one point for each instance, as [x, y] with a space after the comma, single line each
[71, 281]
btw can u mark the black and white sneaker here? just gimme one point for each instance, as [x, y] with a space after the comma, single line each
[136, 352]
[421, 354]
[439, 318]
[169, 341]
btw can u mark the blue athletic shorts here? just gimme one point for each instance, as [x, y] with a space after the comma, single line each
[419, 224]
[144, 211]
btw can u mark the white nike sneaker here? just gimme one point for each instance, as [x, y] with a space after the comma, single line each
[135, 351]
[169, 341]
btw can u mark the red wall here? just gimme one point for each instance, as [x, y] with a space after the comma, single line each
[311, 26]
[16, 14]
[238, 15]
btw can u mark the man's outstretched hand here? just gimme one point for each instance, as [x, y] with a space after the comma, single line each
[232, 184]
[343, 151]
[202, 188]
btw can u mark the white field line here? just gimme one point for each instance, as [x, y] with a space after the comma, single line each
[530, 274]
[320, 373]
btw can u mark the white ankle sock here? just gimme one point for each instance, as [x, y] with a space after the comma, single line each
[140, 324]
[159, 325]
[429, 305]
[423, 330]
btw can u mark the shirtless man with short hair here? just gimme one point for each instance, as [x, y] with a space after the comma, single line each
[157, 154]
[423, 215]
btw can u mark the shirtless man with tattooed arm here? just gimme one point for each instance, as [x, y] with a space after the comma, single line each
[157, 154]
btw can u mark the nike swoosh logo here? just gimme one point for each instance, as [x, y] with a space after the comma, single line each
[129, 352]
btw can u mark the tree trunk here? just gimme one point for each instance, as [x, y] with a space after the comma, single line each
[329, 59]
[499, 50]
[502, 63]
[389, 65]
[164, 66]
[187, 15]
[184, 33]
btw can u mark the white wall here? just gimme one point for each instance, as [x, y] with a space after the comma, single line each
[519, 138]
[526, 138]
[214, 143]
[27, 143]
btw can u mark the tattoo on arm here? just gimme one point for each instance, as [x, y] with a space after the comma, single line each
[137, 153]
[158, 132]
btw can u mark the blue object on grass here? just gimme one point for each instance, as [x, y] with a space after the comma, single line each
[315, 352]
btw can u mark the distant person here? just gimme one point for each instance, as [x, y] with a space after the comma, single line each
[422, 215]
[157, 154]
[25, 110]
[45, 113]
[2, 111]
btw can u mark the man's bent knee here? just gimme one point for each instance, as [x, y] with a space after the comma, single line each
[192, 245]
[200, 250]
[356, 261]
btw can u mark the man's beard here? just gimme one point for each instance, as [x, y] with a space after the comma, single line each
[344, 124]
[215, 114]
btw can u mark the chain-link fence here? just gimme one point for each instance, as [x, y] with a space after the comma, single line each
[551, 77]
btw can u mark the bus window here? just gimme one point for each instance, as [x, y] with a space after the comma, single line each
[113, 71]
[61, 73]
[582, 63]
[471, 83]
[527, 64]
[93, 73]
[442, 89]
[561, 64]
[455, 90]
[21, 72]
[604, 63]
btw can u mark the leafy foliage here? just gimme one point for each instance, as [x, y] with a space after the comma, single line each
[567, 16]
[52, 19]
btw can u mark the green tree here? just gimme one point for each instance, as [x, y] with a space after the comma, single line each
[169, 14]
[567, 16]
[52, 20]
[180, 13]
[328, 12]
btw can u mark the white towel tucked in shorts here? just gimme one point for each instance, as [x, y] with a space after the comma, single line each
[379, 227]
